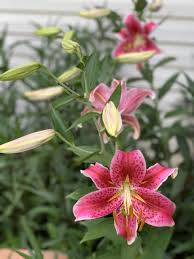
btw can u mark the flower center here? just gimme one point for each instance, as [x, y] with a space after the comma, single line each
[138, 41]
[126, 191]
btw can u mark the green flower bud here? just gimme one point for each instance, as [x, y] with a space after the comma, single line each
[20, 72]
[69, 74]
[48, 31]
[68, 35]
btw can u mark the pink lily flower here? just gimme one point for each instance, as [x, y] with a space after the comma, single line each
[129, 191]
[130, 100]
[135, 37]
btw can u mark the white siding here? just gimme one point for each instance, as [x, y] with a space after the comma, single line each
[175, 35]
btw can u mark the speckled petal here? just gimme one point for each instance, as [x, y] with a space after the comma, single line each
[156, 210]
[131, 164]
[156, 175]
[97, 204]
[126, 226]
[99, 174]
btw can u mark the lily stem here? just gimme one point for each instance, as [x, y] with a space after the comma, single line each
[65, 86]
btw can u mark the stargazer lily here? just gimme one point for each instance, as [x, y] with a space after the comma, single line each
[129, 191]
[130, 100]
[135, 37]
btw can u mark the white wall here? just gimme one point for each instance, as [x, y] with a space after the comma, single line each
[175, 35]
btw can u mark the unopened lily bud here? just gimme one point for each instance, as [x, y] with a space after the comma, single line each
[44, 94]
[69, 74]
[68, 35]
[95, 13]
[155, 5]
[174, 174]
[20, 72]
[27, 142]
[135, 57]
[112, 119]
[70, 46]
[48, 31]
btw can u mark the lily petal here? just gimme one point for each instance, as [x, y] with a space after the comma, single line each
[155, 209]
[149, 27]
[126, 226]
[156, 175]
[99, 96]
[135, 97]
[133, 122]
[151, 45]
[97, 204]
[131, 164]
[99, 174]
[133, 25]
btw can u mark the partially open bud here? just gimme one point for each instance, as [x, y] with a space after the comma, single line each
[174, 174]
[69, 74]
[20, 72]
[112, 119]
[135, 57]
[95, 13]
[155, 5]
[27, 142]
[44, 94]
[70, 46]
[48, 31]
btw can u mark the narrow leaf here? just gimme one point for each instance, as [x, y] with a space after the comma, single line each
[164, 61]
[167, 85]
[116, 95]
[63, 101]
[84, 118]
[59, 125]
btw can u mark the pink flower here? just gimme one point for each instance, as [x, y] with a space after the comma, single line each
[128, 191]
[135, 37]
[130, 100]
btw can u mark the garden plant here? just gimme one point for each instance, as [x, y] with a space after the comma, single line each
[80, 99]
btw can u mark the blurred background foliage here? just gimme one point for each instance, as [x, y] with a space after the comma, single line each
[34, 185]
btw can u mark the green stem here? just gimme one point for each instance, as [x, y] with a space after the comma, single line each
[102, 147]
[65, 86]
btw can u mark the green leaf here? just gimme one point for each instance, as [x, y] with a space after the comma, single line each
[82, 151]
[84, 118]
[177, 112]
[63, 101]
[76, 195]
[116, 95]
[179, 182]
[130, 251]
[106, 71]
[31, 238]
[91, 72]
[103, 227]
[164, 61]
[59, 125]
[156, 241]
[167, 85]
